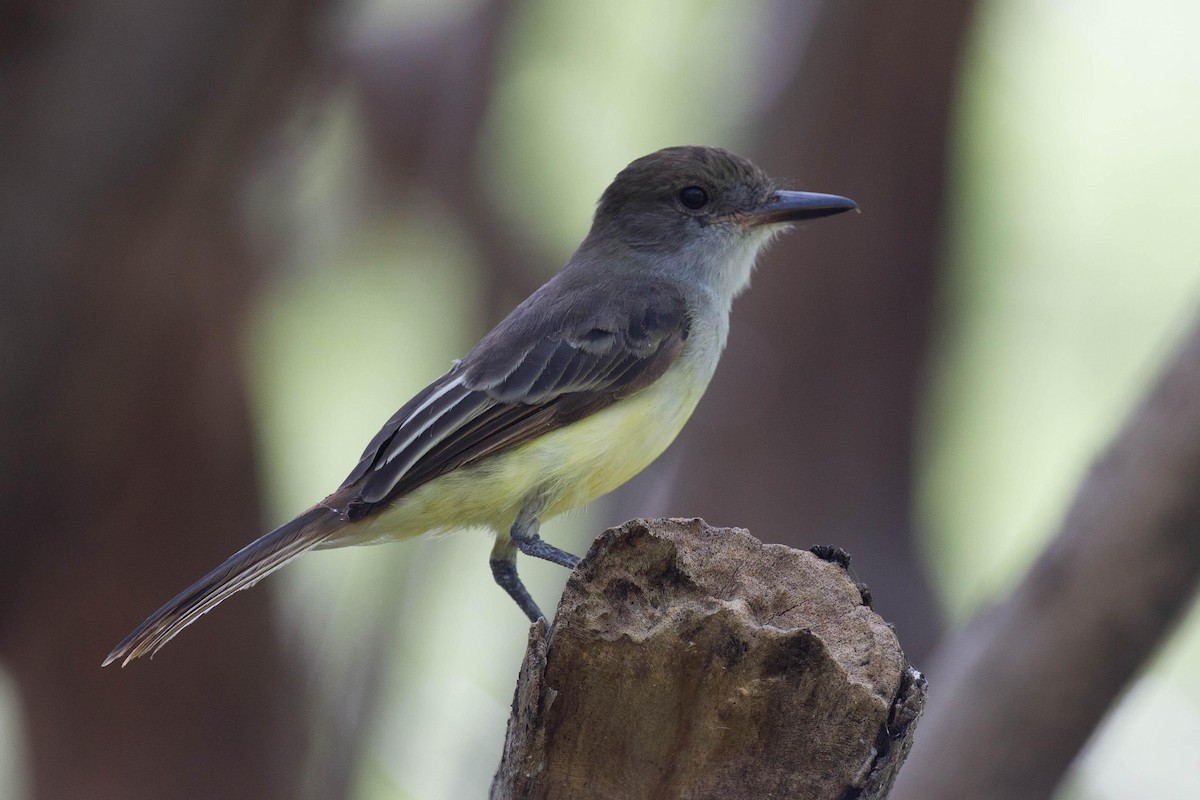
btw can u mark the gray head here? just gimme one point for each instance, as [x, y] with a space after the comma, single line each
[701, 211]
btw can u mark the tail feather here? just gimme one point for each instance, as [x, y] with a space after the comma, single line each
[240, 571]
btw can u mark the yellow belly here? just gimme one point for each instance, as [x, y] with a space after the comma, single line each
[572, 465]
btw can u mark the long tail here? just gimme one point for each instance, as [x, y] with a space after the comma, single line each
[240, 571]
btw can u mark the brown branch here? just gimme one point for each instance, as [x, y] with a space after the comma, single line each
[690, 661]
[1023, 686]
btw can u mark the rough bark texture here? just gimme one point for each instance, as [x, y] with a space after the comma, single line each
[1023, 686]
[695, 662]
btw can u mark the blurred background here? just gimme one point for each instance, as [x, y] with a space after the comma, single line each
[235, 237]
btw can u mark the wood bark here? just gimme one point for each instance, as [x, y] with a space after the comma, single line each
[695, 662]
[1022, 687]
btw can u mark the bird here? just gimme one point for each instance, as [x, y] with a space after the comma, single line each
[577, 390]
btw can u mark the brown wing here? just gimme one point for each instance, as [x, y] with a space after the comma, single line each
[528, 377]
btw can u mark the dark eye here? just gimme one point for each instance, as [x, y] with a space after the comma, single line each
[693, 197]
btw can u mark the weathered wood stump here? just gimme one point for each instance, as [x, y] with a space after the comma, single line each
[695, 662]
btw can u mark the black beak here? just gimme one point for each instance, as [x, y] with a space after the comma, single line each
[796, 206]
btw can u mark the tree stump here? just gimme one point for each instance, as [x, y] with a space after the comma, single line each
[695, 662]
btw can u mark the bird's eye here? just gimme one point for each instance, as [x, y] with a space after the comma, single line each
[693, 197]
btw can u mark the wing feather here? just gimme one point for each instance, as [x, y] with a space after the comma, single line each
[555, 375]
[447, 402]
[417, 444]
[534, 373]
[370, 456]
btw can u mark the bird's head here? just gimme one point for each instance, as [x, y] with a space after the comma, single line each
[701, 212]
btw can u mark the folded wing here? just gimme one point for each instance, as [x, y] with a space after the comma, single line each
[530, 376]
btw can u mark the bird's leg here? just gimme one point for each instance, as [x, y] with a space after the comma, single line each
[524, 534]
[504, 570]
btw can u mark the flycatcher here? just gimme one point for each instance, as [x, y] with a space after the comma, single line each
[574, 393]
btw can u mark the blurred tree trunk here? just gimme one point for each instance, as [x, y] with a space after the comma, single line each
[126, 133]
[1023, 685]
[812, 414]
[425, 132]
[424, 94]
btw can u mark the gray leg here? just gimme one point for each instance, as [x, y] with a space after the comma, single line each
[524, 535]
[504, 570]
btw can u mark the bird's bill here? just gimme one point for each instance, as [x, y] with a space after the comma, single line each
[787, 206]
